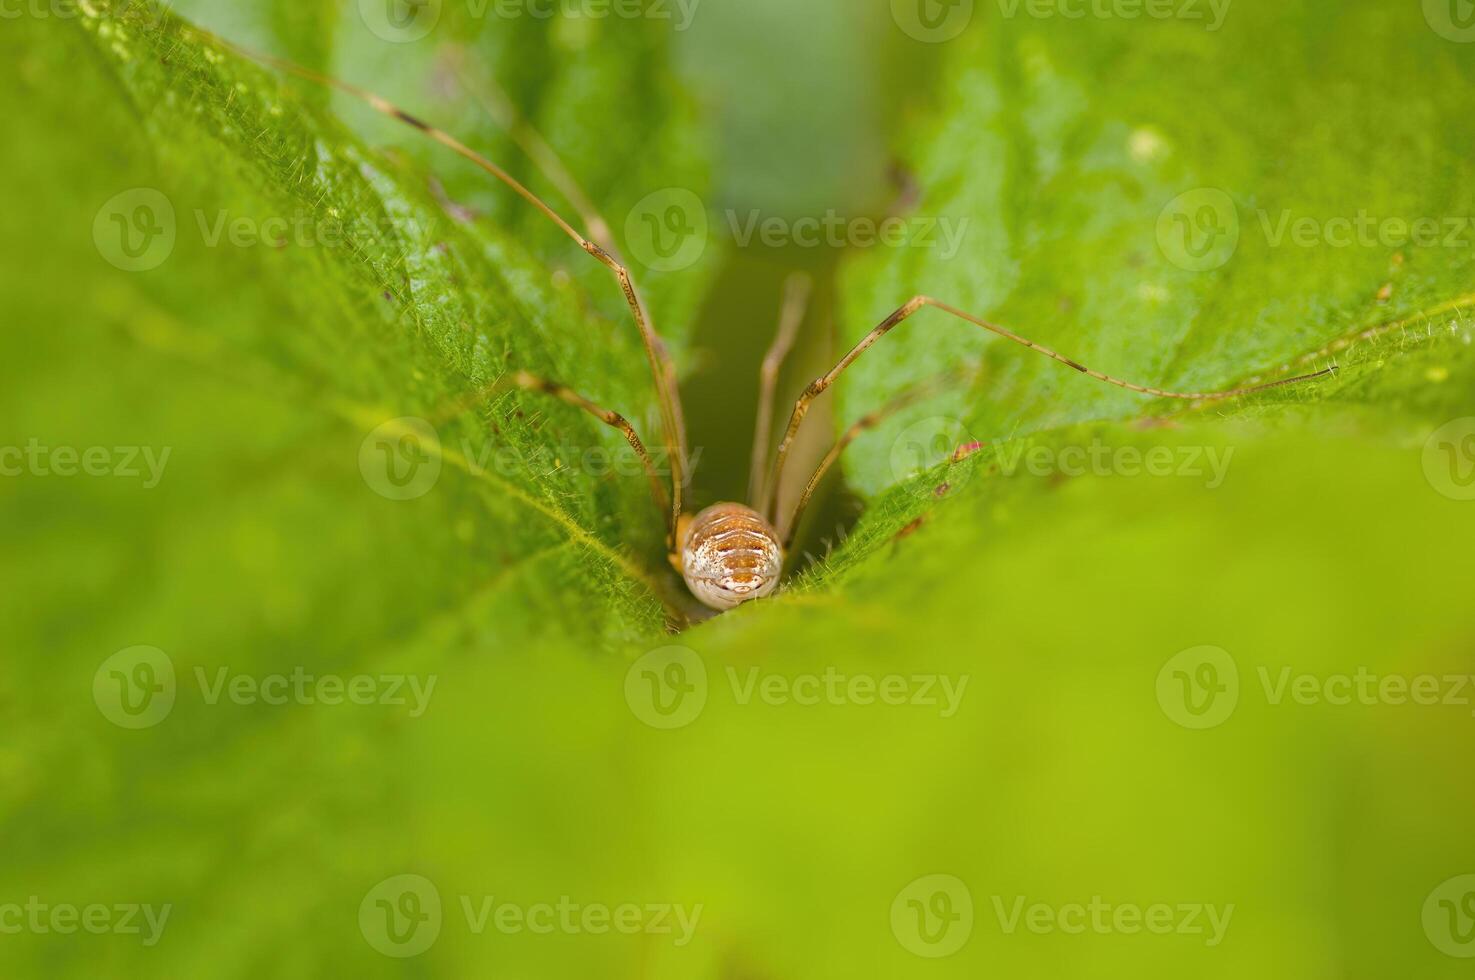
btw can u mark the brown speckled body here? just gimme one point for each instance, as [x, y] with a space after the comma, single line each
[730, 555]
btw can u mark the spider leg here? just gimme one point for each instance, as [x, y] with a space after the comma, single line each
[526, 381]
[906, 399]
[819, 385]
[663, 370]
[496, 103]
[796, 301]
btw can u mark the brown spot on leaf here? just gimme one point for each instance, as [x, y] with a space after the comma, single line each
[910, 529]
[966, 450]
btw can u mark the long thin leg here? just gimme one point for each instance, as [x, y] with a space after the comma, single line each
[530, 382]
[820, 384]
[663, 370]
[907, 398]
[796, 300]
[499, 106]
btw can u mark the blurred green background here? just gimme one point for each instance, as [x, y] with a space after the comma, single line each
[1111, 695]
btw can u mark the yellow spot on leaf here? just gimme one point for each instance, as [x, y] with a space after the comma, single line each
[1146, 145]
[1152, 292]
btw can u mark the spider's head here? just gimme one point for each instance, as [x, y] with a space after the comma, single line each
[730, 555]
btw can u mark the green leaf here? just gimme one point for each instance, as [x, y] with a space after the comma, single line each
[1054, 187]
[1332, 540]
[1059, 153]
[356, 299]
[1061, 589]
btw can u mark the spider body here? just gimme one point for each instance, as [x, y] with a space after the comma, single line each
[729, 555]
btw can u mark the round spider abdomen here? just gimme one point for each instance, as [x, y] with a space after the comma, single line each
[730, 555]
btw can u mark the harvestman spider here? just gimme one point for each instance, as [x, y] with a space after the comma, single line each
[729, 553]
